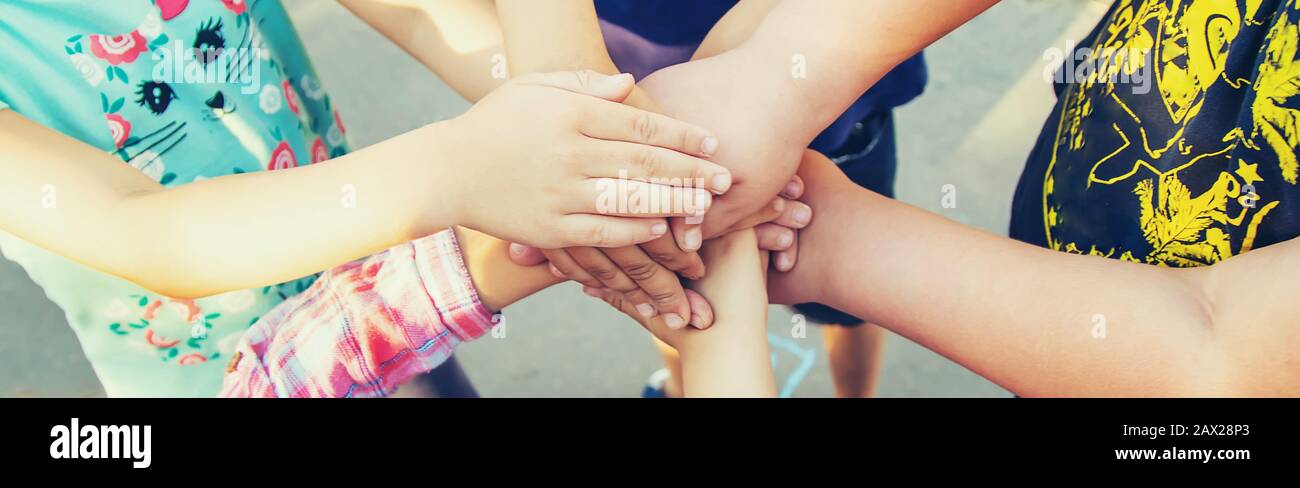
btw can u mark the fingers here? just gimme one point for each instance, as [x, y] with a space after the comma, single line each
[627, 198]
[794, 189]
[773, 237]
[660, 284]
[687, 232]
[768, 213]
[785, 260]
[796, 215]
[594, 262]
[563, 266]
[638, 161]
[620, 122]
[585, 230]
[525, 255]
[701, 311]
[585, 82]
[654, 325]
[666, 252]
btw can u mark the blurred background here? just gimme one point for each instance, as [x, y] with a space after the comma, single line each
[978, 119]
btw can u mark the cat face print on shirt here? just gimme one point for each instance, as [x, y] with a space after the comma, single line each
[189, 93]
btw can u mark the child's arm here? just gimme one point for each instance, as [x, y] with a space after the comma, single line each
[731, 358]
[525, 163]
[1040, 322]
[366, 327]
[459, 40]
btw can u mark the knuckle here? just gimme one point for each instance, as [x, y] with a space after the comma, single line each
[644, 127]
[604, 273]
[583, 77]
[642, 271]
[666, 258]
[600, 235]
[623, 287]
[615, 300]
[662, 297]
[648, 160]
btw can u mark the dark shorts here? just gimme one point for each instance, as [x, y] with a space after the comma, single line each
[870, 159]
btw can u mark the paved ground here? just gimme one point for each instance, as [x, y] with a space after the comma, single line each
[972, 129]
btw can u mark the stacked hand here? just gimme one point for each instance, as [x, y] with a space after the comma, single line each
[547, 147]
[763, 196]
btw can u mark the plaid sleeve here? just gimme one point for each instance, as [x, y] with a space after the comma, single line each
[364, 327]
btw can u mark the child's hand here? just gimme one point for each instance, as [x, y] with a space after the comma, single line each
[539, 160]
[735, 286]
[637, 273]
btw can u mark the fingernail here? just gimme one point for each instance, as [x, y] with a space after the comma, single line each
[590, 291]
[645, 310]
[516, 249]
[659, 229]
[721, 183]
[703, 200]
[696, 321]
[783, 262]
[674, 321]
[791, 189]
[802, 216]
[709, 146]
[785, 241]
[694, 238]
[556, 271]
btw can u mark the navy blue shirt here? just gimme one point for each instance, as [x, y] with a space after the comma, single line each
[644, 36]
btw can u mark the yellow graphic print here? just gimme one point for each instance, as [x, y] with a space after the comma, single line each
[1279, 80]
[1196, 195]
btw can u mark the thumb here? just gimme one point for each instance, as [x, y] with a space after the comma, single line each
[614, 88]
[525, 255]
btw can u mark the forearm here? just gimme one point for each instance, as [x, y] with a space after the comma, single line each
[560, 35]
[554, 35]
[731, 358]
[814, 58]
[734, 28]
[459, 40]
[1035, 321]
[499, 281]
[217, 235]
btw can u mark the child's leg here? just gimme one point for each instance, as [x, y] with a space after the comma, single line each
[855, 354]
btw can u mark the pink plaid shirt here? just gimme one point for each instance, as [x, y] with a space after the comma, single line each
[364, 327]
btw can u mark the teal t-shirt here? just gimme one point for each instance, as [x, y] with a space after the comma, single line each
[182, 91]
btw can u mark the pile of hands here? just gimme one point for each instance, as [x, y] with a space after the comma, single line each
[601, 130]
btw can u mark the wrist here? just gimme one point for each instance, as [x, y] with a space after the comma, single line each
[437, 164]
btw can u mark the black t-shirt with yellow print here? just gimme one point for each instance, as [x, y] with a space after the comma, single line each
[1198, 167]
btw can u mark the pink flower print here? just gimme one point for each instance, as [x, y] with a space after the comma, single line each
[236, 6]
[282, 158]
[319, 152]
[159, 341]
[339, 122]
[119, 128]
[123, 49]
[171, 8]
[192, 358]
[290, 96]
